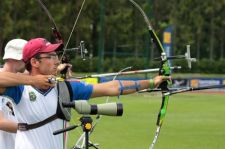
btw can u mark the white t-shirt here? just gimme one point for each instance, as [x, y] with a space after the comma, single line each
[7, 140]
[35, 107]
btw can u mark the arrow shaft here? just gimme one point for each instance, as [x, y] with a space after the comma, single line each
[126, 73]
[196, 89]
[182, 90]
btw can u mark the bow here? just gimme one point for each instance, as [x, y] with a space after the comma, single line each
[56, 33]
[164, 71]
[58, 37]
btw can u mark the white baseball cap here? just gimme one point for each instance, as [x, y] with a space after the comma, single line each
[14, 49]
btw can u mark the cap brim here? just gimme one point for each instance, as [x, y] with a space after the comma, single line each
[52, 47]
[16, 56]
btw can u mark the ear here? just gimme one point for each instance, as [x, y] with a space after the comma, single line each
[34, 62]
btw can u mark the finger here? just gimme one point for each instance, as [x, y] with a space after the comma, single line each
[166, 78]
[69, 65]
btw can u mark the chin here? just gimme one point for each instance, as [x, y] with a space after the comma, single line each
[22, 70]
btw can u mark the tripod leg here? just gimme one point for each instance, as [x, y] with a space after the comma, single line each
[93, 145]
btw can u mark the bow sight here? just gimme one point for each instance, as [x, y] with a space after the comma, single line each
[69, 53]
[186, 56]
[80, 49]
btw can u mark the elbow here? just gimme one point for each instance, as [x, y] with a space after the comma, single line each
[115, 88]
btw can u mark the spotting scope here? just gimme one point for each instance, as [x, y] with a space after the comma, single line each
[83, 107]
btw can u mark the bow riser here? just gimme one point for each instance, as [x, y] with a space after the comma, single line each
[164, 71]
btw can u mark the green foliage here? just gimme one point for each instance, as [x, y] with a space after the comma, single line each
[203, 66]
[196, 22]
[115, 65]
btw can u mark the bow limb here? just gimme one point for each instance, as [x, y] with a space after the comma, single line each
[57, 34]
[164, 70]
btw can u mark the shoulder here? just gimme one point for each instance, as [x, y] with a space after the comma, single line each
[4, 100]
[14, 93]
[79, 85]
[1, 101]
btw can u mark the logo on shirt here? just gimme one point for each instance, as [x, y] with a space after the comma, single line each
[32, 96]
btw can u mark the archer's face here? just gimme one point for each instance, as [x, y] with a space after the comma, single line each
[48, 63]
[20, 66]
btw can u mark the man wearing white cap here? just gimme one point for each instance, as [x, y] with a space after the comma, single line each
[13, 56]
[13, 63]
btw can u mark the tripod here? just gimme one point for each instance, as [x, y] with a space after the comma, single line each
[86, 123]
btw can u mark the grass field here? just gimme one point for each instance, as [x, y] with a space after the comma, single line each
[193, 120]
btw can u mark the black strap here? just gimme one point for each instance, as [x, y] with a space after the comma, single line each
[25, 126]
[61, 112]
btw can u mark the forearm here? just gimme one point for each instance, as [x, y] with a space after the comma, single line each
[115, 88]
[8, 125]
[11, 79]
[128, 87]
[8, 79]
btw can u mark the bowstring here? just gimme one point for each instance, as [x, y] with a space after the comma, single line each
[99, 117]
[73, 28]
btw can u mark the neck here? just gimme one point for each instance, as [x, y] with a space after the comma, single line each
[34, 72]
[9, 67]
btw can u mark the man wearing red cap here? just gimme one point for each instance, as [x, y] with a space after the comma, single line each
[35, 105]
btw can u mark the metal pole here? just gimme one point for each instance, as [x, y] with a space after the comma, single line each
[101, 41]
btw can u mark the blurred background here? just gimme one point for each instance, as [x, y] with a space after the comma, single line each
[116, 35]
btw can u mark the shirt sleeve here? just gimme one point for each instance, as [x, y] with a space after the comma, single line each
[81, 90]
[1, 103]
[15, 93]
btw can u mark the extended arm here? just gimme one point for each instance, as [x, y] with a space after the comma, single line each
[8, 79]
[115, 88]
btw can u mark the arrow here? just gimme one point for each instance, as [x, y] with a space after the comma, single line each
[126, 73]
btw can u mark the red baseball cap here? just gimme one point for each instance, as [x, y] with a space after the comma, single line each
[39, 45]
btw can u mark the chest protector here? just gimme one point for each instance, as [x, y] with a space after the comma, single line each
[65, 94]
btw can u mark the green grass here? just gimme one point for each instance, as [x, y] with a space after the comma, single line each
[195, 121]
